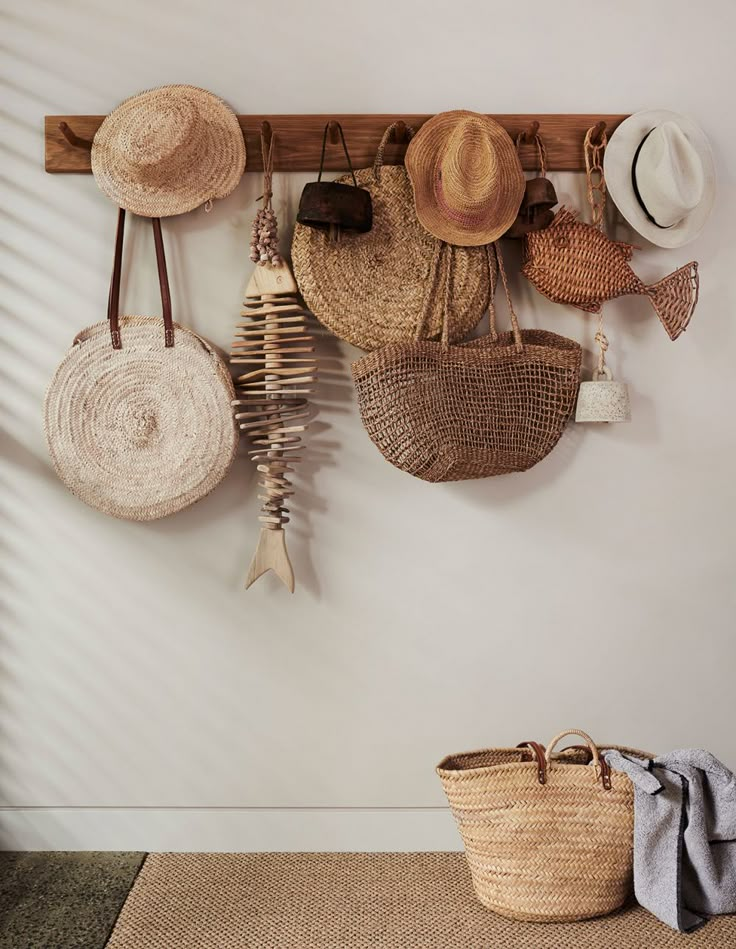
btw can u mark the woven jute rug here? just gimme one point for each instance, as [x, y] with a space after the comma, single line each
[354, 901]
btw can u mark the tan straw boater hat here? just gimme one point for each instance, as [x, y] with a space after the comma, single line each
[168, 150]
[467, 178]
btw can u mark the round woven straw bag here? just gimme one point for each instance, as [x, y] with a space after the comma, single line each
[373, 289]
[490, 406]
[547, 837]
[138, 415]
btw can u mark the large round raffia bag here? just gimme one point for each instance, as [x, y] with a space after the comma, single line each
[490, 406]
[138, 415]
[547, 837]
[372, 289]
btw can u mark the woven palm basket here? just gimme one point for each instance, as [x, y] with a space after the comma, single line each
[372, 289]
[561, 850]
[142, 431]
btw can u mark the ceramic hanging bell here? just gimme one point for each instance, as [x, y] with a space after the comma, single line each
[334, 207]
[603, 400]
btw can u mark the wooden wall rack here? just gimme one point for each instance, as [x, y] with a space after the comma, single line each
[68, 139]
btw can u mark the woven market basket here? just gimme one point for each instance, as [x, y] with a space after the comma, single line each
[493, 405]
[372, 289]
[138, 415]
[547, 838]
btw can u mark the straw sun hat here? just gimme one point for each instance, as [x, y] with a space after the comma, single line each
[467, 178]
[168, 150]
[659, 171]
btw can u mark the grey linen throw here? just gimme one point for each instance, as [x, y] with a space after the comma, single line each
[684, 835]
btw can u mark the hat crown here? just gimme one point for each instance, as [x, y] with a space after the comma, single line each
[152, 138]
[669, 174]
[468, 167]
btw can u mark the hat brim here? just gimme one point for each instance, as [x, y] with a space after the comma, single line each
[216, 173]
[423, 159]
[617, 164]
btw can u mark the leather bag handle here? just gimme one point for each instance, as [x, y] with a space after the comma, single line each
[540, 757]
[113, 300]
[344, 148]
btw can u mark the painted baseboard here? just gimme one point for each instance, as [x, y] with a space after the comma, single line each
[228, 829]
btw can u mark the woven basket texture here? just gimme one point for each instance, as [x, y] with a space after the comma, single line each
[168, 150]
[372, 289]
[143, 431]
[355, 901]
[486, 407]
[574, 263]
[560, 851]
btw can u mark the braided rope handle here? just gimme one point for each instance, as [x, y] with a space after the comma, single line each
[378, 160]
[541, 150]
[492, 307]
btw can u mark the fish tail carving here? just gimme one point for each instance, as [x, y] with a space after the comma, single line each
[674, 298]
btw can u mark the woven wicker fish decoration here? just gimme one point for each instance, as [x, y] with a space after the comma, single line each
[575, 263]
[272, 408]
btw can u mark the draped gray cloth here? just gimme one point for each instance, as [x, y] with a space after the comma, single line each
[684, 835]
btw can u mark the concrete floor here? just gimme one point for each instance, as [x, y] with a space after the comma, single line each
[62, 900]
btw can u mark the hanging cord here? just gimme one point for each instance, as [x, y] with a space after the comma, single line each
[541, 150]
[267, 156]
[264, 238]
[596, 181]
[512, 312]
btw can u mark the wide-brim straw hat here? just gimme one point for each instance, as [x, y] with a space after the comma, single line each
[661, 176]
[142, 431]
[373, 289]
[168, 150]
[467, 178]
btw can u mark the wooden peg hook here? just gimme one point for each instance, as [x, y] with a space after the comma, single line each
[74, 140]
[596, 136]
[529, 135]
[333, 132]
[400, 133]
[266, 134]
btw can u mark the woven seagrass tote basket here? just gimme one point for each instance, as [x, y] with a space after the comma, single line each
[548, 837]
[493, 405]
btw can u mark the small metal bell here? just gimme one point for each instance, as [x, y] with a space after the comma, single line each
[603, 400]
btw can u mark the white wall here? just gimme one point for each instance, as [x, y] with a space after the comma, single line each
[147, 700]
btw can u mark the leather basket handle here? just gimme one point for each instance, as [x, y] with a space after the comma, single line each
[113, 300]
[540, 757]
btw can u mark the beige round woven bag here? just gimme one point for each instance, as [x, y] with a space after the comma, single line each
[373, 289]
[138, 415]
[168, 150]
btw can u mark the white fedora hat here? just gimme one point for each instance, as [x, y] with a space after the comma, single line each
[659, 172]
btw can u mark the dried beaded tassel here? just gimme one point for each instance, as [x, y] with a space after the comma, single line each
[264, 235]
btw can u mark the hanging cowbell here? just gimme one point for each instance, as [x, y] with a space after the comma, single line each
[540, 196]
[603, 400]
[334, 207]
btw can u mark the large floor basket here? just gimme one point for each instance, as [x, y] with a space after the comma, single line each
[547, 837]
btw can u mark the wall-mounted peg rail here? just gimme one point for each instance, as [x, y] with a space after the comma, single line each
[68, 139]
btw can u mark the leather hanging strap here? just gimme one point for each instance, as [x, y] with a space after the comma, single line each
[539, 754]
[113, 301]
